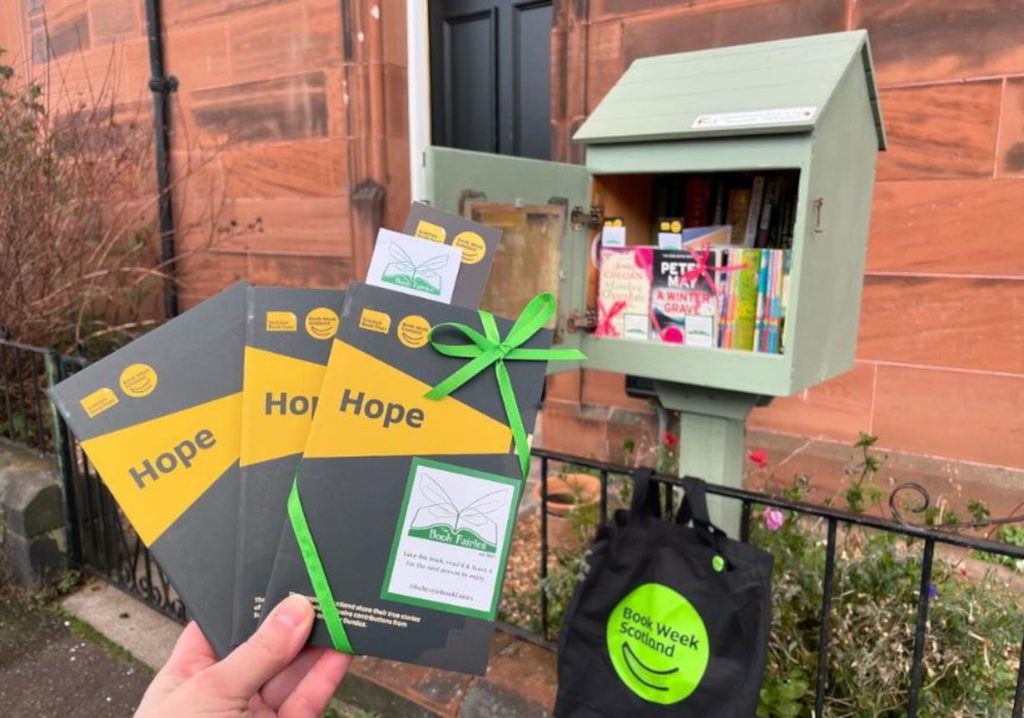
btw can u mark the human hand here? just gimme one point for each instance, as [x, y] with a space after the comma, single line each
[268, 675]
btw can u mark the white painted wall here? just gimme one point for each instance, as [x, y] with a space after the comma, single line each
[418, 49]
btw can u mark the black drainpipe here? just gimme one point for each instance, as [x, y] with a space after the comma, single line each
[162, 87]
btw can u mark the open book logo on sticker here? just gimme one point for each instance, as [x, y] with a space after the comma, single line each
[473, 526]
[404, 271]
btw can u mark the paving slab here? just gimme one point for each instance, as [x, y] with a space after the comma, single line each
[141, 631]
[519, 682]
[50, 668]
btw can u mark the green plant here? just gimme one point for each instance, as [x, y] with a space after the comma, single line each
[971, 648]
[68, 581]
[1011, 535]
[971, 651]
[862, 491]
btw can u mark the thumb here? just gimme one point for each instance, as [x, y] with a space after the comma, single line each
[276, 644]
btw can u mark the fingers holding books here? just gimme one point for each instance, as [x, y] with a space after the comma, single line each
[268, 675]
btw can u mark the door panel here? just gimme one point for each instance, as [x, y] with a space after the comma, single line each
[531, 202]
[531, 132]
[467, 75]
[490, 72]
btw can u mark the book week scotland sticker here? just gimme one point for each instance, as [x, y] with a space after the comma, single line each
[452, 539]
[658, 644]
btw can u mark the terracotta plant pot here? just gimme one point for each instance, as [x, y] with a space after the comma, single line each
[567, 493]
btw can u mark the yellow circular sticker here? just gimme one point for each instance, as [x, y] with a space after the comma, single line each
[138, 380]
[472, 246]
[322, 323]
[414, 331]
[677, 226]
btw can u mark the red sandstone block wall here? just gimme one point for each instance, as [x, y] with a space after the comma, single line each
[275, 122]
[284, 108]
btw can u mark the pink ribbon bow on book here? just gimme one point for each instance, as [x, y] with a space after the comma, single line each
[604, 326]
[702, 269]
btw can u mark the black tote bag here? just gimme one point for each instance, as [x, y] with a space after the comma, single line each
[672, 618]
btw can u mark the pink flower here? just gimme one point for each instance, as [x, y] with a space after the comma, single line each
[773, 519]
[670, 440]
[759, 457]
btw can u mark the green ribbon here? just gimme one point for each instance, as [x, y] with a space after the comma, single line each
[489, 348]
[315, 569]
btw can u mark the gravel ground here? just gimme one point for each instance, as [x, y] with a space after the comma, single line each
[50, 666]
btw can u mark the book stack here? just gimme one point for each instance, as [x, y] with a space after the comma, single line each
[274, 440]
[722, 286]
[753, 299]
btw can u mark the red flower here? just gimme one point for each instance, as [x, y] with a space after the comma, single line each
[670, 440]
[759, 457]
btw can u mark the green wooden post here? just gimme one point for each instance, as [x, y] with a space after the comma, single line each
[712, 440]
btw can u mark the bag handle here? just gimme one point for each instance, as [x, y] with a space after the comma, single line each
[694, 508]
[646, 502]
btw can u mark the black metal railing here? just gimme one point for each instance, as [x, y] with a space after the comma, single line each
[100, 540]
[103, 544]
[24, 409]
[833, 518]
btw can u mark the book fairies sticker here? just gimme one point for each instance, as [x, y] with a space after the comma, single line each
[452, 539]
[414, 266]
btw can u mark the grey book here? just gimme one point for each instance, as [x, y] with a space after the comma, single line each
[159, 419]
[478, 242]
[288, 339]
[411, 501]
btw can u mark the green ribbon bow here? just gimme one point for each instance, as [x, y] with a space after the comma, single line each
[489, 348]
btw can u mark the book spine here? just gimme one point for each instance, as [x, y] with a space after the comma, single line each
[754, 212]
[697, 202]
[720, 194]
[762, 295]
[765, 299]
[773, 335]
[735, 256]
[720, 286]
[746, 301]
[770, 200]
[739, 207]
[786, 270]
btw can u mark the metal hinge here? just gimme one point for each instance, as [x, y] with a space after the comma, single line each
[593, 218]
[577, 321]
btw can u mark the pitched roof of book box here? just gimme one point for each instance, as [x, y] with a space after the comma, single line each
[768, 87]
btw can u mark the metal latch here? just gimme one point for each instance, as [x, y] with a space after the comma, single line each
[592, 218]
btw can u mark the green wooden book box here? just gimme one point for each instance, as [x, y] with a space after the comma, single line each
[807, 105]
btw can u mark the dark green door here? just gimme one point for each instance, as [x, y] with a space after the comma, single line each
[490, 75]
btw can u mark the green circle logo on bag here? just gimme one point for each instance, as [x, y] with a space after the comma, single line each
[658, 644]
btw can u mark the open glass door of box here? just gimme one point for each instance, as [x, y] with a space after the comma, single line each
[532, 202]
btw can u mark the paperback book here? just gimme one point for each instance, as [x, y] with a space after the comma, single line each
[684, 299]
[624, 294]
[160, 422]
[288, 339]
[477, 243]
[417, 510]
